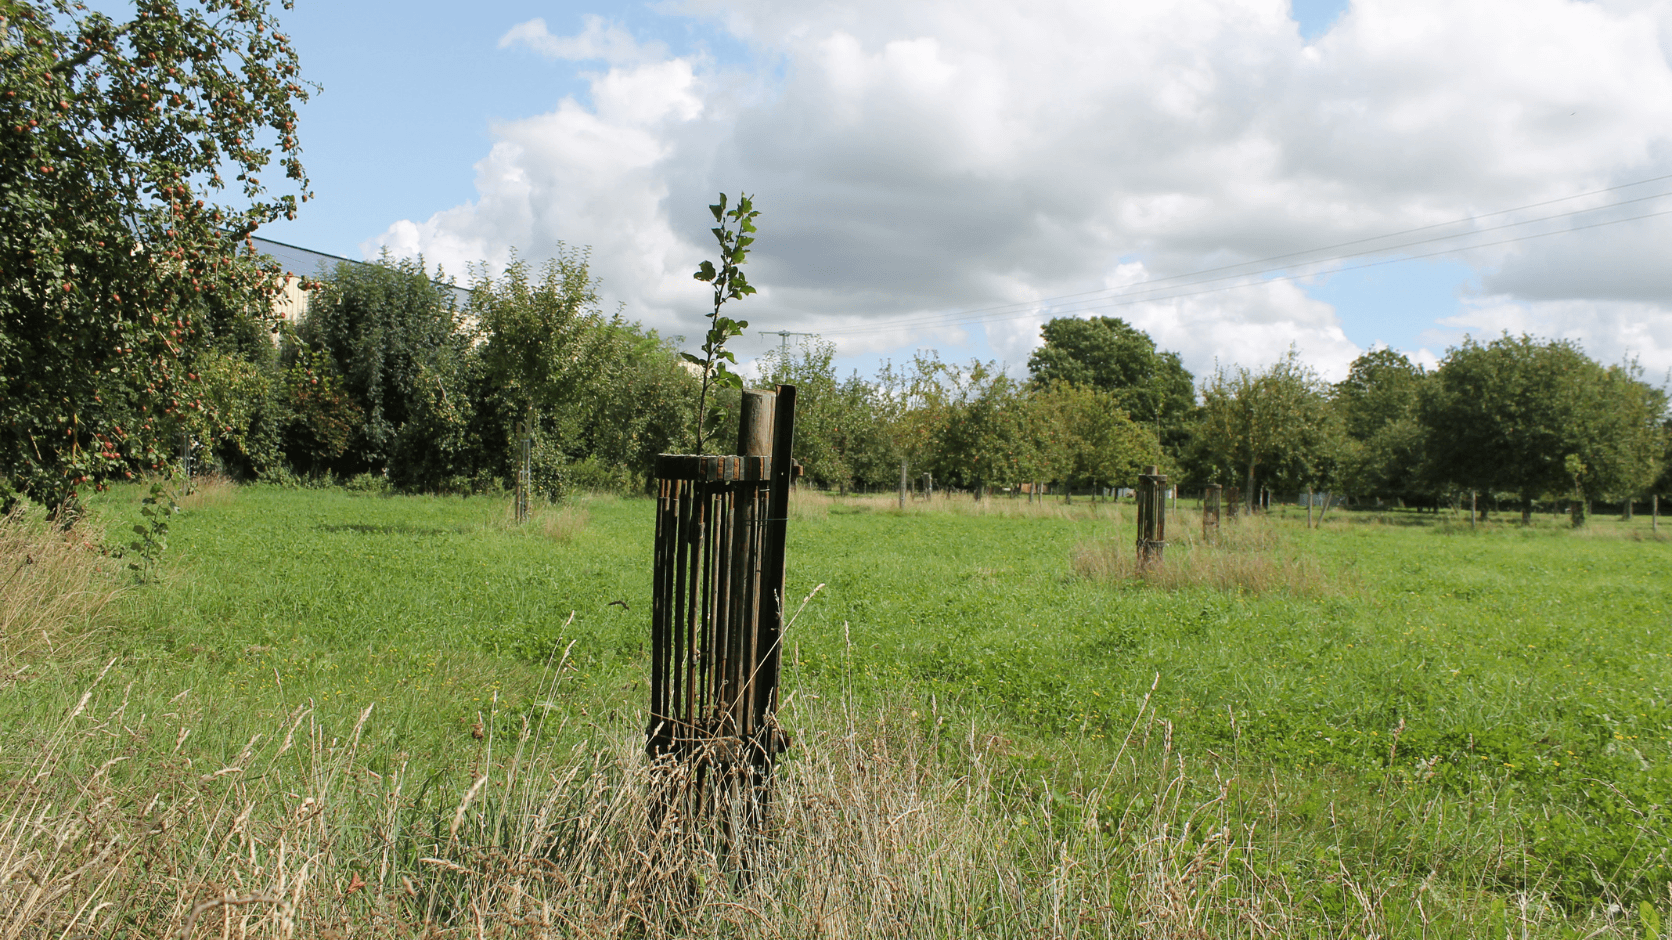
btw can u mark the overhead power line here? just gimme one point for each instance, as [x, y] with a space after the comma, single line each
[1157, 289]
[1121, 301]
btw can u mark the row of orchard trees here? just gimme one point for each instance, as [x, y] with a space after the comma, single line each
[1514, 418]
[390, 376]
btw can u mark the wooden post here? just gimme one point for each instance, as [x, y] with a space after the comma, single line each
[902, 485]
[769, 739]
[524, 473]
[1625, 515]
[1654, 513]
[1472, 503]
[1210, 512]
[1309, 507]
[1152, 517]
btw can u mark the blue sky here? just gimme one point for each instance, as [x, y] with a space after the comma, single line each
[1344, 127]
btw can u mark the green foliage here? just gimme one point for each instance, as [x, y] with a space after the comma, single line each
[1507, 416]
[979, 439]
[1389, 464]
[320, 418]
[1273, 427]
[1382, 387]
[824, 417]
[734, 231]
[383, 326]
[146, 549]
[1108, 354]
[118, 266]
[440, 447]
[1086, 437]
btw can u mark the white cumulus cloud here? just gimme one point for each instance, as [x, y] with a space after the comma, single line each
[915, 159]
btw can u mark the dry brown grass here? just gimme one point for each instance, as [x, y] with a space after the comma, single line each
[562, 523]
[1248, 554]
[207, 490]
[54, 584]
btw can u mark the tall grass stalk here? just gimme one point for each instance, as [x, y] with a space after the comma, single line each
[54, 583]
[887, 821]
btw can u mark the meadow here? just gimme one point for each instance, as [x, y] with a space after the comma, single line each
[336, 713]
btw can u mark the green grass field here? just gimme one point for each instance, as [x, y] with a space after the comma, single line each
[1427, 730]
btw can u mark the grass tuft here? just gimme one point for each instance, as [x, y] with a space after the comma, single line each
[54, 583]
[1247, 555]
[560, 524]
[208, 490]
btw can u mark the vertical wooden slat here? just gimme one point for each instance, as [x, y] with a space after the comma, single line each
[658, 622]
[676, 639]
[772, 562]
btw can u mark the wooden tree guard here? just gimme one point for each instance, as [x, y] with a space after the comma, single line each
[1210, 512]
[717, 612]
[1233, 500]
[525, 473]
[1152, 516]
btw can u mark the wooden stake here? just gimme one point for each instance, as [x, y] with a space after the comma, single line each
[1309, 507]
[1152, 516]
[902, 485]
[1210, 512]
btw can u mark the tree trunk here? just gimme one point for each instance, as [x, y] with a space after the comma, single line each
[1527, 512]
[1253, 495]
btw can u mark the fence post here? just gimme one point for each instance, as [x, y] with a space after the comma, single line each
[902, 484]
[1309, 507]
[1152, 516]
[770, 652]
[1210, 512]
[519, 497]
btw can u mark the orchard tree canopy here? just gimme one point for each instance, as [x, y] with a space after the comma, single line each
[1273, 426]
[1108, 354]
[1381, 387]
[1508, 415]
[120, 234]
